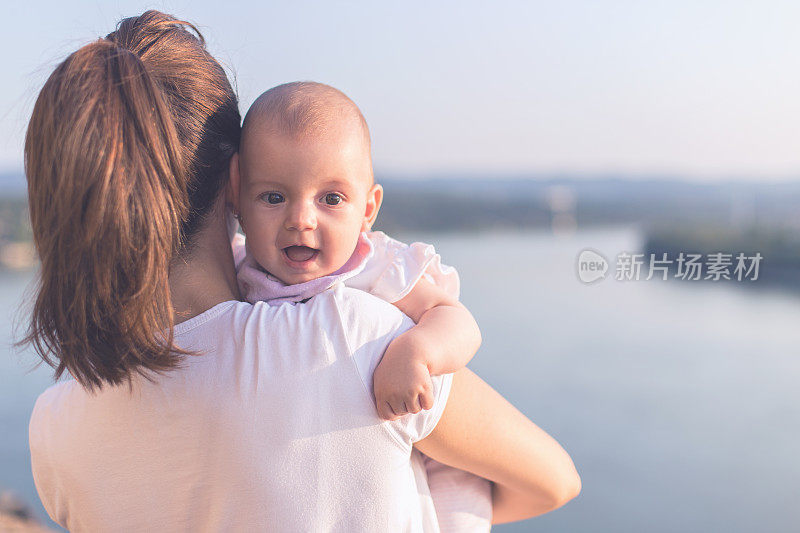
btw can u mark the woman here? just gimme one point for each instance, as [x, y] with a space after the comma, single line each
[189, 409]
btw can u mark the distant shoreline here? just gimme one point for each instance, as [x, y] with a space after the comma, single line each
[674, 215]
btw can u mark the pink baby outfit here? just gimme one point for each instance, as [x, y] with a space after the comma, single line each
[388, 269]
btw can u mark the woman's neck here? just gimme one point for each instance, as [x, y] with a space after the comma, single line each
[206, 276]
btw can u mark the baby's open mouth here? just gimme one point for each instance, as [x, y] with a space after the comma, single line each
[300, 254]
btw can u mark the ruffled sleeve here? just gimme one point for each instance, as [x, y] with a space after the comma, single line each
[395, 268]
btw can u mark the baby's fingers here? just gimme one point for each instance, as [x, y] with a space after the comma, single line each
[412, 404]
[426, 399]
[385, 411]
[401, 408]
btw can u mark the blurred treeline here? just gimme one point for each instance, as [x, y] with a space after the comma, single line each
[674, 215]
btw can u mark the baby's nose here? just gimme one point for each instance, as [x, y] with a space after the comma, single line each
[301, 217]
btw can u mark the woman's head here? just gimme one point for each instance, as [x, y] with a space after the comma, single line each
[126, 154]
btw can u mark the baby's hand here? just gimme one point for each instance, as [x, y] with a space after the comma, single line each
[402, 383]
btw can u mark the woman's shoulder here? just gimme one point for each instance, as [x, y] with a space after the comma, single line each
[364, 313]
[54, 395]
[350, 314]
[53, 415]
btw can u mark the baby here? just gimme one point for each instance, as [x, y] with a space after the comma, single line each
[303, 191]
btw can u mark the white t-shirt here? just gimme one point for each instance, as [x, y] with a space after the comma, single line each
[273, 428]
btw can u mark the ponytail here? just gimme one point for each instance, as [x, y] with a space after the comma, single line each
[119, 181]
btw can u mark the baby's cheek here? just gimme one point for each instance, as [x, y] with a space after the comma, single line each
[345, 246]
[260, 223]
[260, 245]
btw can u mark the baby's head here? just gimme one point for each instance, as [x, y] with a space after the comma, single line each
[302, 182]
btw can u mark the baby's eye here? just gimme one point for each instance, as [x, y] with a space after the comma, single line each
[333, 199]
[272, 197]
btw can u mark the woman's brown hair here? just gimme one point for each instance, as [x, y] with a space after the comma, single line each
[126, 152]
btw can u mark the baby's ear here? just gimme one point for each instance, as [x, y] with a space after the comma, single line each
[374, 200]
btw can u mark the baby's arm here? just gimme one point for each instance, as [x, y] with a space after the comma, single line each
[443, 341]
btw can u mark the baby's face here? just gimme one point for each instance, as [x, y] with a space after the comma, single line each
[304, 202]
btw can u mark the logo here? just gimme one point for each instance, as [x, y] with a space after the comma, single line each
[591, 266]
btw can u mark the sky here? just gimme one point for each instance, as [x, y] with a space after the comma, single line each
[701, 90]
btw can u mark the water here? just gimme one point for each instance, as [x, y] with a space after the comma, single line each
[677, 401]
[19, 387]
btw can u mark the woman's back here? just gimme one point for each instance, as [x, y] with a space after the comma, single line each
[273, 426]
